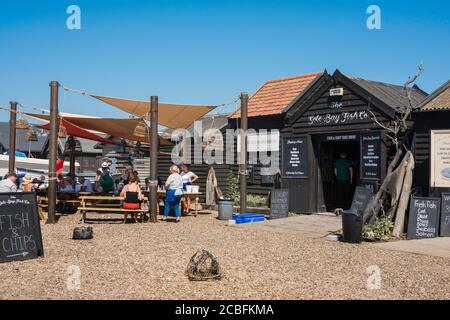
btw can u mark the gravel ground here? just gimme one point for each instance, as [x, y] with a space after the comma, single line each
[148, 261]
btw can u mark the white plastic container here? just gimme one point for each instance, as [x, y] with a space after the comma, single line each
[193, 189]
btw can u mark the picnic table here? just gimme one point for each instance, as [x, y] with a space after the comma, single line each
[192, 195]
[62, 197]
[107, 204]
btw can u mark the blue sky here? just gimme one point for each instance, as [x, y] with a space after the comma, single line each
[206, 52]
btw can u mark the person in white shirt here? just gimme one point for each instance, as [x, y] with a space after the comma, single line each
[84, 185]
[174, 192]
[9, 183]
[188, 178]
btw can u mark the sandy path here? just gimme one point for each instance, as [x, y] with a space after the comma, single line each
[147, 261]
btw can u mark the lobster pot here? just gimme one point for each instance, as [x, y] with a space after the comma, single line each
[141, 130]
[31, 136]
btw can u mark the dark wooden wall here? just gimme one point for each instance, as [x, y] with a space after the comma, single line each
[306, 194]
[424, 122]
[222, 170]
[165, 162]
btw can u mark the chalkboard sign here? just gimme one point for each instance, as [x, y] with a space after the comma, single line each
[279, 203]
[423, 219]
[370, 156]
[445, 215]
[295, 157]
[20, 230]
[372, 185]
[361, 198]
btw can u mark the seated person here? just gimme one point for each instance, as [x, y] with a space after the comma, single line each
[147, 182]
[27, 183]
[132, 194]
[84, 185]
[65, 186]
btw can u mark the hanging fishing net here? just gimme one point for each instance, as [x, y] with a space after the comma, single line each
[203, 266]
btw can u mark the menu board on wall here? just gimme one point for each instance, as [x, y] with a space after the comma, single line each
[440, 159]
[371, 156]
[295, 157]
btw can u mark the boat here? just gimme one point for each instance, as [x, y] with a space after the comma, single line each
[34, 167]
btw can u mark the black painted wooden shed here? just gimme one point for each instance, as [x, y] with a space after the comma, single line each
[334, 115]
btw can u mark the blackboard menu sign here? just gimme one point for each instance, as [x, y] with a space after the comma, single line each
[370, 156]
[445, 215]
[279, 203]
[423, 219]
[361, 198]
[372, 185]
[295, 157]
[20, 230]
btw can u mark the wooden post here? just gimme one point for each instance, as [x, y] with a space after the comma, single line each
[72, 163]
[154, 146]
[53, 147]
[243, 154]
[404, 196]
[12, 137]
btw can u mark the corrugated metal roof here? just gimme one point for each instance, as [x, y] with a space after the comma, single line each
[391, 94]
[21, 143]
[210, 121]
[275, 95]
[438, 100]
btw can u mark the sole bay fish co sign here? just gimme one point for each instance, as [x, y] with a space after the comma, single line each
[336, 118]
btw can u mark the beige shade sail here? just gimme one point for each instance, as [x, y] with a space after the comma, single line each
[123, 128]
[169, 115]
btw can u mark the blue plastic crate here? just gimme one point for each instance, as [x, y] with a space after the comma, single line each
[248, 217]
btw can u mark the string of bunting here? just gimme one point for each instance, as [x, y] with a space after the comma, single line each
[20, 105]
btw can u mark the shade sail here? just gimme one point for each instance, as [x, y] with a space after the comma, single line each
[73, 130]
[122, 128]
[169, 115]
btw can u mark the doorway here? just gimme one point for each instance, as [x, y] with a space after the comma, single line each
[330, 151]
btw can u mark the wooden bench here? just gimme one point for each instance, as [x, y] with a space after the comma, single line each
[126, 212]
[93, 204]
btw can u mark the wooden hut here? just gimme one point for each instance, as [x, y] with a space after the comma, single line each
[265, 112]
[334, 115]
[432, 143]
